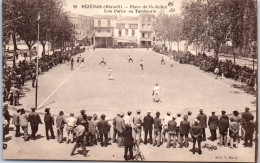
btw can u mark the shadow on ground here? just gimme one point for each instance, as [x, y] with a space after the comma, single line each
[245, 88]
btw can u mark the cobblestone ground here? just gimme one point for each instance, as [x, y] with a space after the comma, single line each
[184, 87]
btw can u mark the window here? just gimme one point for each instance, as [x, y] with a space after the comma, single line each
[120, 32]
[99, 22]
[142, 34]
[108, 22]
[108, 31]
[149, 24]
[143, 25]
[126, 32]
[99, 31]
[149, 19]
[133, 32]
[149, 34]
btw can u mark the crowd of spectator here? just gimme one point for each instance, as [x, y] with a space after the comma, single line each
[206, 63]
[15, 76]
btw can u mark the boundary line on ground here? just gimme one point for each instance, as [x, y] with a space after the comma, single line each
[61, 84]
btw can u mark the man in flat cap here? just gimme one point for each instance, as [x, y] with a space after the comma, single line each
[103, 126]
[148, 127]
[71, 124]
[120, 127]
[49, 121]
[196, 134]
[203, 123]
[60, 122]
[80, 117]
[115, 134]
[172, 134]
[80, 132]
[184, 131]
[157, 130]
[137, 126]
[91, 139]
[223, 130]
[245, 117]
[213, 125]
[223, 112]
[35, 120]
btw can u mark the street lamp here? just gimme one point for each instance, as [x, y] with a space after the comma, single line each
[37, 65]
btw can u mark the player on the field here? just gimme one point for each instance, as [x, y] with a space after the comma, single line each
[171, 62]
[130, 58]
[102, 62]
[156, 93]
[162, 61]
[71, 63]
[110, 77]
[142, 64]
[82, 62]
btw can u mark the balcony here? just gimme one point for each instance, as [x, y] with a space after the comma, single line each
[146, 38]
[146, 29]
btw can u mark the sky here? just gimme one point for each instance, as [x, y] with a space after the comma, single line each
[81, 7]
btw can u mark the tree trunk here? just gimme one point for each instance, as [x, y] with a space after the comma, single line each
[30, 52]
[234, 55]
[178, 46]
[43, 50]
[15, 47]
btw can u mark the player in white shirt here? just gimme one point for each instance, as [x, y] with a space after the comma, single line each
[130, 59]
[166, 119]
[156, 93]
[71, 123]
[110, 76]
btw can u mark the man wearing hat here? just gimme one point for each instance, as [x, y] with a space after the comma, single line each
[213, 125]
[71, 124]
[203, 123]
[148, 127]
[120, 127]
[196, 134]
[91, 139]
[172, 125]
[184, 131]
[233, 132]
[245, 117]
[80, 132]
[223, 130]
[34, 119]
[166, 119]
[237, 119]
[128, 119]
[115, 131]
[190, 118]
[137, 126]
[223, 112]
[60, 122]
[157, 130]
[96, 121]
[103, 126]
[16, 122]
[49, 121]
[80, 117]
[178, 123]
[6, 114]
[23, 121]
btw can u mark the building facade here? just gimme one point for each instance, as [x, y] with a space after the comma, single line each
[126, 31]
[84, 27]
[104, 26]
[146, 30]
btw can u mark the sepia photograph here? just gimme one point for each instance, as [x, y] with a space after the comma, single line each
[130, 80]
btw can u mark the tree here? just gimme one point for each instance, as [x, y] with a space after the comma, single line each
[175, 29]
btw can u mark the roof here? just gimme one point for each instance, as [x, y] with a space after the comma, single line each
[104, 16]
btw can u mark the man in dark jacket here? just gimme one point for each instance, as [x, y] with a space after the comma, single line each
[245, 117]
[249, 132]
[80, 117]
[223, 130]
[172, 125]
[115, 131]
[203, 123]
[213, 125]
[34, 119]
[196, 134]
[184, 130]
[129, 141]
[103, 127]
[120, 127]
[148, 127]
[157, 130]
[80, 132]
[49, 121]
